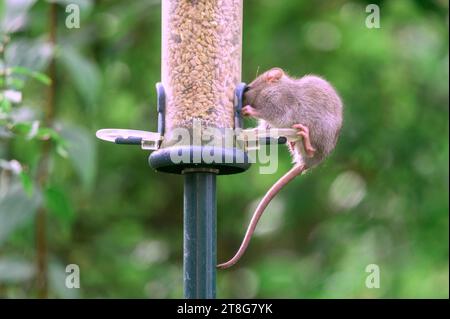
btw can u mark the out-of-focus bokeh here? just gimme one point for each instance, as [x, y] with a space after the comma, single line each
[382, 198]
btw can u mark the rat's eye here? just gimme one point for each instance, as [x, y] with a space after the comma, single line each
[247, 88]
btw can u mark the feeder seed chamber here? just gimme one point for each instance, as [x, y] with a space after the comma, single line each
[201, 89]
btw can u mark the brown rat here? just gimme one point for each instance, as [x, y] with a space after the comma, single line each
[310, 105]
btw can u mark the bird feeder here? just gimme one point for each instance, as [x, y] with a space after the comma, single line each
[199, 101]
[201, 61]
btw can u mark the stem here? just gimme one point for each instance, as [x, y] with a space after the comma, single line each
[43, 169]
[3, 44]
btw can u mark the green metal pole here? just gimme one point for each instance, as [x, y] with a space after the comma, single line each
[199, 235]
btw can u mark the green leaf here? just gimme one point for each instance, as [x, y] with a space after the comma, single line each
[84, 74]
[27, 183]
[22, 128]
[5, 104]
[41, 77]
[58, 204]
[46, 133]
[16, 209]
[61, 150]
[31, 130]
[17, 84]
[82, 152]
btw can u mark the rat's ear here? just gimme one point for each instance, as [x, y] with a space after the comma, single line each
[273, 75]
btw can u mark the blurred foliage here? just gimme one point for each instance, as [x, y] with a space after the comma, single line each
[382, 197]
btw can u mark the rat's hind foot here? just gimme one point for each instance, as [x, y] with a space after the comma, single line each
[249, 111]
[303, 131]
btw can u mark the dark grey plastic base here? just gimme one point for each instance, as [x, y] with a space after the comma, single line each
[226, 161]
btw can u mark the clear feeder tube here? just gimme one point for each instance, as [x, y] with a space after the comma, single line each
[201, 61]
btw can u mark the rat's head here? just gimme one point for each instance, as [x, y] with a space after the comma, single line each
[270, 77]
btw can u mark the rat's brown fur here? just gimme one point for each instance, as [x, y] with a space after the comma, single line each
[280, 101]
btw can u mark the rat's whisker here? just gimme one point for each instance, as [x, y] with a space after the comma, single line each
[257, 71]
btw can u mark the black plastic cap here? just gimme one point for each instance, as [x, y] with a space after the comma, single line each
[176, 159]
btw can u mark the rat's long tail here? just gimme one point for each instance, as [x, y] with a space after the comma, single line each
[283, 181]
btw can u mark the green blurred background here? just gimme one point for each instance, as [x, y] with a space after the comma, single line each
[381, 198]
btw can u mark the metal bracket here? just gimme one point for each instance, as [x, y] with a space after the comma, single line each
[253, 139]
[147, 140]
[161, 108]
[238, 101]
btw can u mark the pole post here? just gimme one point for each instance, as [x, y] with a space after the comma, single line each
[199, 269]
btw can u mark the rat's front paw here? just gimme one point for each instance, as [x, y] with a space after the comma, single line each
[249, 111]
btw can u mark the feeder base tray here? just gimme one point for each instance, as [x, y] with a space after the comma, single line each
[182, 159]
